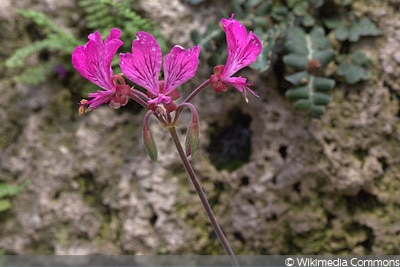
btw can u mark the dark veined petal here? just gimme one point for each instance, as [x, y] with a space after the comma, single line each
[180, 65]
[243, 48]
[143, 65]
[93, 60]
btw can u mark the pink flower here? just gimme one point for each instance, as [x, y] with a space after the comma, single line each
[243, 50]
[93, 62]
[143, 66]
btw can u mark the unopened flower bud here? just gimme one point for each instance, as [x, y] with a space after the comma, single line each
[192, 139]
[148, 140]
[193, 133]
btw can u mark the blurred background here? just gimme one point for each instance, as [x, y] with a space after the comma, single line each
[309, 167]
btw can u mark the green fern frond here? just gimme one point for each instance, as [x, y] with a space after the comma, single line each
[9, 190]
[99, 16]
[52, 43]
[56, 40]
[107, 14]
[48, 26]
[36, 75]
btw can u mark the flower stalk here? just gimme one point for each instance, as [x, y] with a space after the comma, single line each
[199, 190]
[148, 139]
[197, 90]
[143, 65]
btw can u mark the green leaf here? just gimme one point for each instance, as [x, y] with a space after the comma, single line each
[331, 23]
[5, 204]
[194, 2]
[298, 93]
[297, 48]
[361, 59]
[368, 28]
[298, 78]
[308, 20]
[352, 73]
[10, 189]
[319, 39]
[323, 84]
[296, 42]
[279, 13]
[263, 61]
[303, 104]
[316, 111]
[296, 61]
[321, 99]
[324, 56]
[263, 8]
[354, 33]
[300, 9]
[352, 30]
[342, 32]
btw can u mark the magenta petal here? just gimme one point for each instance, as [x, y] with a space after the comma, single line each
[98, 98]
[243, 49]
[143, 65]
[235, 33]
[180, 65]
[93, 60]
[241, 84]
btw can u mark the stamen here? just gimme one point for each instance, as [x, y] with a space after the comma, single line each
[81, 109]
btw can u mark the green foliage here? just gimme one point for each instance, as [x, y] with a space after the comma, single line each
[107, 14]
[285, 28]
[308, 53]
[56, 41]
[353, 67]
[305, 11]
[271, 30]
[210, 44]
[351, 29]
[58, 45]
[7, 191]
[194, 2]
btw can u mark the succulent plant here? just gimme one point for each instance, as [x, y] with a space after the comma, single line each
[298, 30]
[308, 54]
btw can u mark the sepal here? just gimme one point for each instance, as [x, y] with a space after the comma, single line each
[192, 138]
[148, 139]
[193, 130]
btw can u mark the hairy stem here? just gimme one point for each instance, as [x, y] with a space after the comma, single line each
[217, 228]
[197, 90]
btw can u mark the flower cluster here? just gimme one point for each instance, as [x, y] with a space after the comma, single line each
[143, 64]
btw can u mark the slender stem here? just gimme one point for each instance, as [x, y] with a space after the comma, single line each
[217, 228]
[197, 90]
[139, 98]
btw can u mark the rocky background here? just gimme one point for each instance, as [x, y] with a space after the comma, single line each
[306, 186]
